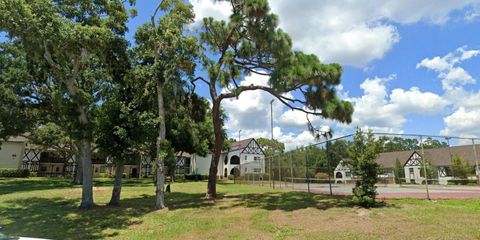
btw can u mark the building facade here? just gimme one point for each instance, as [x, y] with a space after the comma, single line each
[413, 166]
[244, 157]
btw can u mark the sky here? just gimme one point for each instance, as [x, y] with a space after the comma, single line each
[410, 66]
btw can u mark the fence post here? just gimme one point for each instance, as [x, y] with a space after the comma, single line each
[424, 167]
[306, 169]
[329, 170]
[291, 169]
[476, 161]
[279, 172]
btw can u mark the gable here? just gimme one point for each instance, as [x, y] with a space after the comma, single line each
[414, 160]
[253, 148]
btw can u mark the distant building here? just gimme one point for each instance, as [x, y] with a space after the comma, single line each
[412, 163]
[17, 153]
[245, 156]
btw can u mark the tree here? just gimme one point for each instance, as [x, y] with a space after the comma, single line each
[73, 41]
[251, 43]
[270, 146]
[398, 172]
[460, 168]
[167, 56]
[14, 118]
[363, 153]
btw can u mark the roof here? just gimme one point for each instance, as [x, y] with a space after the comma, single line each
[438, 156]
[240, 144]
[442, 156]
[388, 159]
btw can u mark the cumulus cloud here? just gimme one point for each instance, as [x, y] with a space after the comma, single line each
[453, 76]
[380, 110]
[465, 116]
[348, 32]
[463, 123]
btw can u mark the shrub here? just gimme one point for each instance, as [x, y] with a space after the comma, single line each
[196, 177]
[14, 173]
[363, 153]
[321, 175]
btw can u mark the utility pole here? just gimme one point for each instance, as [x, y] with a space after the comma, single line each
[239, 161]
[273, 149]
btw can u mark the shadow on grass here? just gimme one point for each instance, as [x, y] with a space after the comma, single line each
[8, 186]
[24, 185]
[59, 218]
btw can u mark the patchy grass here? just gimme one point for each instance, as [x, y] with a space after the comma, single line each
[43, 207]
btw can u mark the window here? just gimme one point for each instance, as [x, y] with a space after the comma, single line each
[257, 158]
[57, 169]
[348, 174]
[410, 170]
[245, 157]
[257, 170]
[245, 169]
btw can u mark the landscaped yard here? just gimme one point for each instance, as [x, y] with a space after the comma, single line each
[47, 208]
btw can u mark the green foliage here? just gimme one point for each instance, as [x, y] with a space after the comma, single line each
[196, 177]
[432, 171]
[460, 168]
[363, 153]
[270, 147]
[14, 173]
[398, 172]
[14, 116]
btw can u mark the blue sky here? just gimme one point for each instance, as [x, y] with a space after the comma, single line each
[380, 44]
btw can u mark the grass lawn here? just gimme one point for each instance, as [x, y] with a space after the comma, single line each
[47, 208]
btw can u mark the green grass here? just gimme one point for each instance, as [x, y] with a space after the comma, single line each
[47, 208]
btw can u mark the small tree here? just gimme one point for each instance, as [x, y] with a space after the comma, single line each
[460, 168]
[363, 153]
[432, 172]
[398, 172]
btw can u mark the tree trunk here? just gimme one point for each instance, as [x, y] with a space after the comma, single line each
[212, 174]
[78, 171]
[87, 187]
[117, 186]
[160, 198]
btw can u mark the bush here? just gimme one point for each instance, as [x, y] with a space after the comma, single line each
[196, 177]
[321, 175]
[14, 173]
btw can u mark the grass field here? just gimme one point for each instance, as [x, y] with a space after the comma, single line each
[41, 207]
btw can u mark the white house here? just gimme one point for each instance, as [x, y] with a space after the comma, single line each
[245, 156]
[412, 163]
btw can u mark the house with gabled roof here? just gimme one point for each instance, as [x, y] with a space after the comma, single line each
[245, 156]
[440, 158]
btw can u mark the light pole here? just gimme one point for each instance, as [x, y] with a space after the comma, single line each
[240, 156]
[273, 150]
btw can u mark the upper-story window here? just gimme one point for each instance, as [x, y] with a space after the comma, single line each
[246, 157]
[257, 158]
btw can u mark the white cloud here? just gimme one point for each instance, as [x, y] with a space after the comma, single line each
[382, 111]
[355, 32]
[465, 116]
[219, 10]
[453, 77]
[462, 122]
[348, 32]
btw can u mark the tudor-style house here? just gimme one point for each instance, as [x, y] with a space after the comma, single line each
[18, 153]
[245, 156]
[440, 159]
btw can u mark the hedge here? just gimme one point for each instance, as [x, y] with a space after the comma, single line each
[14, 173]
[196, 177]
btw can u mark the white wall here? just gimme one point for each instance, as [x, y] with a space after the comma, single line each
[11, 154]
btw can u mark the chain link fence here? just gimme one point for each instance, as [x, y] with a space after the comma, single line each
[411, 166]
